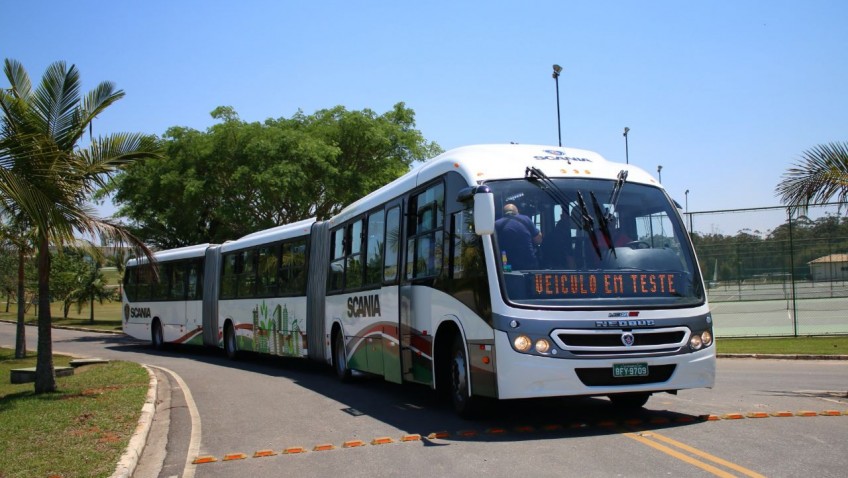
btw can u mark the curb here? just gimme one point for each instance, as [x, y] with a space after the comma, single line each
[129, 460]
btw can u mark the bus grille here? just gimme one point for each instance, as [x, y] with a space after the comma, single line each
[618, 342]
[600, 377]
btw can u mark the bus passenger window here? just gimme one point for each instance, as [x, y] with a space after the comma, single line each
[390, 264]
[374, 248]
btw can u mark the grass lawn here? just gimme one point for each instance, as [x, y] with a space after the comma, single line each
[79, 431]
[107, 316]
[831, 345]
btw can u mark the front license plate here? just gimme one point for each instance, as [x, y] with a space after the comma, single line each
[630, 370]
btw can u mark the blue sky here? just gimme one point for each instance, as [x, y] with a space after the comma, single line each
[725, 95]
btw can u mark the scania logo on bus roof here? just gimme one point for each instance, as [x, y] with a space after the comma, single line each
[557, 155]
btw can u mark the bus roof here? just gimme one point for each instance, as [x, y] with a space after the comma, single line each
[267, 236]
[489, 162]
[174, 254]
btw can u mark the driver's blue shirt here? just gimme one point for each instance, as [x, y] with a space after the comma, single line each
[515, 235]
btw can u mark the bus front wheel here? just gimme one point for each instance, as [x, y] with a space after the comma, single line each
[463, 403]
[157, 339]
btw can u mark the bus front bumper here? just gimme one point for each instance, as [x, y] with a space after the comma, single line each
[528, 376]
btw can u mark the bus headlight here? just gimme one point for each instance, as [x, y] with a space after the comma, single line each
[543, 346]
[695, 342]
[522, 343]
[707, 338]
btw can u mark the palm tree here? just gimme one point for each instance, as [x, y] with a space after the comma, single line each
[46, 176]
[821, 174]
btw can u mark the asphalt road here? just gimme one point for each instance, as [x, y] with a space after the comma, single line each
[257, 404]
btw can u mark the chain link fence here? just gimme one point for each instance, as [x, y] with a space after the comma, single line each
[775, 271]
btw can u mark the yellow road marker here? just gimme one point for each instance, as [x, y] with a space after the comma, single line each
[204, 459]
[324, 447]
[234, 456]
[353, 444]
[382, 441]
[783, 414]
[438, 435]
[412, 437]
[264, 453]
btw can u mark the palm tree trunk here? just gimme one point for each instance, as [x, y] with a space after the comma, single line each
[20, 336]
[45, 374]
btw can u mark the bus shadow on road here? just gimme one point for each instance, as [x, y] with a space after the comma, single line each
[417, 409]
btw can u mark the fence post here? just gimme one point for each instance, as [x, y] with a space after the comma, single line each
[792, 273]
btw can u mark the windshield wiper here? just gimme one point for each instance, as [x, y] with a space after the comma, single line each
[588, 222]
[604, 221]
[534, 174]
[580, 217]
[616, 192]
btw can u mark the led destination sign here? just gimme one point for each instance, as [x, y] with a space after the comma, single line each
[601, 284]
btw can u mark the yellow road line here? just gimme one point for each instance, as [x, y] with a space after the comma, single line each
[646, 439]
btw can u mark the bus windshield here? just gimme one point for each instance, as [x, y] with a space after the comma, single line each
[592, 243]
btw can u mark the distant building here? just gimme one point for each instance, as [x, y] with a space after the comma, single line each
[827, 268]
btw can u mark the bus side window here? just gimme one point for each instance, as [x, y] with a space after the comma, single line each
[268, 271]
[425, 242]
[247, 277]
[390, 264]
[353, 269]
[374, 248]
[297, 268]
[336, 276]
[195, 280]
[178, 281]
[228, 276]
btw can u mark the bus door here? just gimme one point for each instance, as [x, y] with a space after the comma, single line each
[423, 235]
[392, 318]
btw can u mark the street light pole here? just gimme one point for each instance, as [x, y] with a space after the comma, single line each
[557, 71]
[687, 200]
[626, 148]
[659, 173]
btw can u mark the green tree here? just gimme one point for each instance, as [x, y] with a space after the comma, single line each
[91, 286]
[239, 177]
[47, 174]
[821, 175]
[68, 271]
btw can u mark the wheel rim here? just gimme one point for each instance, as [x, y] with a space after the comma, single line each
[459, 380]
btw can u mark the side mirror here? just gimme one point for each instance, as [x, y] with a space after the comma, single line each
[484, 208]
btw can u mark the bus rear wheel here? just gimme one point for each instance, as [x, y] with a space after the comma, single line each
[230, 344]
[340, 358]
[157, 339]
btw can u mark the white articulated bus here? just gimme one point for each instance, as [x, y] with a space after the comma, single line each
[502, 271]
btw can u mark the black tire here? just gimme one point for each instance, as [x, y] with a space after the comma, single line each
[340, 358]
[629, 401]
[464, 404]
[230, 343]
[157, 338]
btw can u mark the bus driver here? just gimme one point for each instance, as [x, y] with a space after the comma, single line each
[517, 238]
